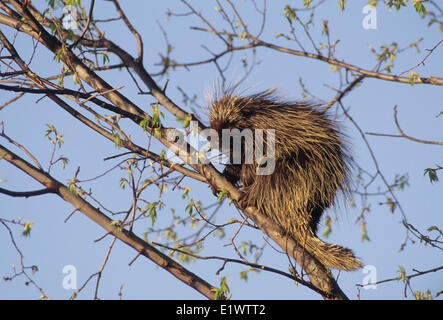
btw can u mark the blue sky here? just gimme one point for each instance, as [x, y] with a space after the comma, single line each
[54, 244]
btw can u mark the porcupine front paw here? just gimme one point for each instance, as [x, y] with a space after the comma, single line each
[232, 174]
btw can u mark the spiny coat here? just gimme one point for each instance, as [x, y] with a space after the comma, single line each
[311, 167]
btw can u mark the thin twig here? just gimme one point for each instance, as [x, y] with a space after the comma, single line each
[403, 134]
[422, 62]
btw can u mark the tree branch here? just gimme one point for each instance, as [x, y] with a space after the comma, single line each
[27, 194]
[403, 134]
[335, 62]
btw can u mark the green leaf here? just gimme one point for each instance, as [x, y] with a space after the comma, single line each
[391, 204]
[222, 195]
[65, 161]
[328, 229]
[190, 207]
[75, 78]
[432, 173]
[117, 140]
[289, 13]
[105, 57]
[50, 129]
[364, 232]
[72, 187]
[60, 140]
[325, 30]
[414, 78]
[402, 273]
[186, 193]
[123, 182]
[27, 229]
[187, 121]
[333, 67]
[244, 275]
[155, 121]
[419, 7]
[223, 291]
[152, 211]
[224, 285]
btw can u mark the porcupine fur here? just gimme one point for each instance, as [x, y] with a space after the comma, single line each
[311, 167]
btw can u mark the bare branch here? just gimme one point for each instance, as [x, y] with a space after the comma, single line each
[86, 28]
[132, 29]
[403, 134]
[344, 92]
[422, 62]
[27, 194]
[335, 62]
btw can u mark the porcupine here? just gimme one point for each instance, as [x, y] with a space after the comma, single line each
[311, 167]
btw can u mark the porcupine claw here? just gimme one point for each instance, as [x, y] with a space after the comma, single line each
[215, 192]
